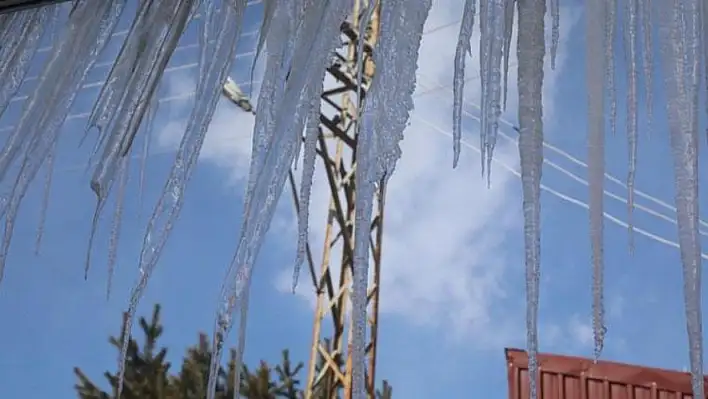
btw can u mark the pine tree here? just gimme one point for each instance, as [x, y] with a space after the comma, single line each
[191, 382]
[259, 384]
[289, 383]
[386, 391]
[146, 370]
[147, 373]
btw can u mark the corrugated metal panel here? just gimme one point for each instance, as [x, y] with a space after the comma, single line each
[566, 377]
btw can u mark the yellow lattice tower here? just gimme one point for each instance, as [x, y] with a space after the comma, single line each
[329, 371]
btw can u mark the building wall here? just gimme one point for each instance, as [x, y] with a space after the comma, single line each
[567, 377]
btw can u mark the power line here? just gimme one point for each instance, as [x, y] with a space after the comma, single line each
[584, 182]
[110, 63]
[564, 197]
[563, 153]
[166, 99]
[170, 69]
[573, 176]
[556, 193]
[124, 32]
[99, 83]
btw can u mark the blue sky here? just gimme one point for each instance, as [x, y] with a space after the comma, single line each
[452, 284]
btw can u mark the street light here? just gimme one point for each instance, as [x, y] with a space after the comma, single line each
[237, 96]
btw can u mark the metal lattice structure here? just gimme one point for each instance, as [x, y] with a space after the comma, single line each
[329, 368]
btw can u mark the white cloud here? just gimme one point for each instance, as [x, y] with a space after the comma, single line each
[570, 336]
[581, 331]
[444, 246]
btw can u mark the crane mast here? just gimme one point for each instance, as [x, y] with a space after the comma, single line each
[330, 365]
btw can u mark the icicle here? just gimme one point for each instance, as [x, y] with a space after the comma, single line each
[113, 241]
[645, 14]
[6, 25]
[632, 24]
[243, 320]
[126, 65]
[148, 69]
[491, 51]
[45, 111]
[227, 25]
[46, 106]
[45, 198]
[316, 38]
[610, 24]
[271, 93]
[508, 31]
[364, 23]
[596, 65]
[530, 53]
[145, 65]
[98, 209]
[680, 42]
[147, 139]
[19, 46]
[378, 149]
[555, 30]
[297, 8]
[704, 27]
[458, 88]
[205, 47]
[268, 14]
[312, 131]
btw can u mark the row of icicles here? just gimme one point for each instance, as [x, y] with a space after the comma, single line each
[298, 46]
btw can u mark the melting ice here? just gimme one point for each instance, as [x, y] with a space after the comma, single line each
[297, 46]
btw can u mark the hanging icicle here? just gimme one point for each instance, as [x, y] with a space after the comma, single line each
[596, 58]
[679, 32]
[531, 49]
[631, 50]
[298, 37]
[277, 142]
[462, 51]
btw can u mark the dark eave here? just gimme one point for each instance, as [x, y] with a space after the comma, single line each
[8, 6]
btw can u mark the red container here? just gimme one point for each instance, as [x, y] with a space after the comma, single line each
[567, 377]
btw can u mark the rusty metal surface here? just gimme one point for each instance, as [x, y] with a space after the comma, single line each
[567, 377]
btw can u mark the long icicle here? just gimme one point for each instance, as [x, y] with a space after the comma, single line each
[509, 8]
[645, 9]
[458, 84]
[113, 241]
[679, 29]
[377, 148]
[704, 39]
[309, 156]
[51, 157]
[40, 123]
[20, 47]
[596, 59]
[227, 25]
[631, 50]
[530, 53]
[555, 30]
[610, 31]
[313, 45]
